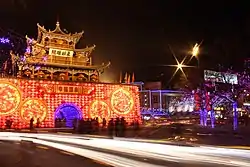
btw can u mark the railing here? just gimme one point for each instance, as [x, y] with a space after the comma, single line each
[60, 45]
[67, 60]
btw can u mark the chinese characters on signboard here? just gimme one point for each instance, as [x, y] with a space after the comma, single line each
[59, 52]
[68, 89]
[72, 89]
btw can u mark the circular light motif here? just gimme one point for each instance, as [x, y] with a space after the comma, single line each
[99, 109]
[10, 98]
[34, 108]
[122, 101]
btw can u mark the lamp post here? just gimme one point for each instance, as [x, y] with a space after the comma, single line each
[203, 112]
[195, 53]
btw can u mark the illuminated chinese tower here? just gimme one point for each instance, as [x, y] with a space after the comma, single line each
[57, 81]
[54, 56]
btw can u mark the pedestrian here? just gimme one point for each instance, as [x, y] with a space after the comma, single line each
[123, 127]
[38, 123]
[111, 127]
[31, 123]
[117, 127]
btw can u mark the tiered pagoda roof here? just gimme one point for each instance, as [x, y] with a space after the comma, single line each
[58, 48]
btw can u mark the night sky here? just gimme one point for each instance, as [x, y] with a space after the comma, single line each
[135, 35]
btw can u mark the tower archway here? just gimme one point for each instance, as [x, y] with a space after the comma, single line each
[69, 112]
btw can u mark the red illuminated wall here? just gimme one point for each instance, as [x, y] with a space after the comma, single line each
[20, 100]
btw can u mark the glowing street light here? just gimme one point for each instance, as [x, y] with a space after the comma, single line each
[179, 66]
[196, 50]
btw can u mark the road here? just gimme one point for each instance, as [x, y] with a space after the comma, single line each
[196, 134]
[28, 154]
[117, 152]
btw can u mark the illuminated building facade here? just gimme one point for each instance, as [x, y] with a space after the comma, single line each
[167, 101]
[53, 55]
[55, 80]
[23, 99]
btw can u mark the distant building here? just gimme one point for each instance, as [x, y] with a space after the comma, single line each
[153, 86]
[165, 101]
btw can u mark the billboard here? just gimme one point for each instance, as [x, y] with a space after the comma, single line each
[221, 77]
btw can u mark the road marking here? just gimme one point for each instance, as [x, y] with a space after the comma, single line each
[42, 147]
[67, 153]
[101, 163]
[25, 130]
[98, 136]
[64, 133]
[237, 147]
[42, 131]
[204, 134]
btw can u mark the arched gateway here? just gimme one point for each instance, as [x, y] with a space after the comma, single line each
[68, 111]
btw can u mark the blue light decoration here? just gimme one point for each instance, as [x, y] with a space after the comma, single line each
[235, 114]
[205, 117]
[37, 68]
[68, 111]
[28, 50]
[201, 117]
[212, 117]
[4, 40]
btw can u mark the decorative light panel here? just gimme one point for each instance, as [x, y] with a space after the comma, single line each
[4, 40]
[21, 100]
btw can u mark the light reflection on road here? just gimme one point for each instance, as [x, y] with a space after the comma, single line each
[140, 148]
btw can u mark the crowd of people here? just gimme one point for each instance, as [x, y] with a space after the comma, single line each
[9, 123]
[114, 127]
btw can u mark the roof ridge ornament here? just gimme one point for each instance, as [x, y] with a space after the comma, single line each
[58, 24]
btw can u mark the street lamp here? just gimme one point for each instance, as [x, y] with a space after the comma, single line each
[179, 66]
[196, 50]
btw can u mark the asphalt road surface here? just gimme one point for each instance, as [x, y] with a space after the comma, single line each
[149, 160]
[28, 154]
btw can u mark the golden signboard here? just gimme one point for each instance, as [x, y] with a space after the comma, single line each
[59, 52]
[68, 89]
[72, 89]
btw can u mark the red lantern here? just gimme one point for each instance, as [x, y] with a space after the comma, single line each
[197, 101]
[208, 102]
